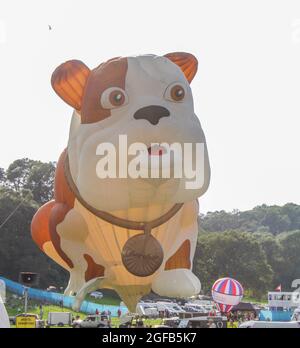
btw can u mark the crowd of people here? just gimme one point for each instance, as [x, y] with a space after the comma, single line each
[240, 317]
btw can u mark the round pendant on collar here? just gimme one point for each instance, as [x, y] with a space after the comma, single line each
[142, 255]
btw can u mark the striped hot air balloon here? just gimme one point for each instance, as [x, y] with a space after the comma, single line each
[227, 292]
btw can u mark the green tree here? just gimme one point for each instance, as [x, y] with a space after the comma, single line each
[293, 212]
[273, 250]
[18, 252]
[274, 219]
[40, 181]
[219, 221]
[2, 176]
[36, 176]
[234, 254]
[290, 251]
[24, 186]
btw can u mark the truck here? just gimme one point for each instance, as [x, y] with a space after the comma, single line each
[255, 324]
[59, 318]
[219, 322]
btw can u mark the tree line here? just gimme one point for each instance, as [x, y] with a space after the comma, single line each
[259, 247]
[25, 185]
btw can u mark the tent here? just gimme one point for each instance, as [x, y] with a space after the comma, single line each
[4, 320]
[244, 307]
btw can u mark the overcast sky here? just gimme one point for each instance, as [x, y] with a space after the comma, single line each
[246, 91]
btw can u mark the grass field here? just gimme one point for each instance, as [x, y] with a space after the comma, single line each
[46, 310]
[106, 300]
[115, 322]
[15, 306]
[254, 300]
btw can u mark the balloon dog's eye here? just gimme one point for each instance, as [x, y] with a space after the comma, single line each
[113, 97]
[175, 92]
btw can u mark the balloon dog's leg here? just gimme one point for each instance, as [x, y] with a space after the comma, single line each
[92, 285]
[177, 278]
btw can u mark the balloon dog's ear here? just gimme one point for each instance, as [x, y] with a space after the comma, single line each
[187, 62]
[68, 81]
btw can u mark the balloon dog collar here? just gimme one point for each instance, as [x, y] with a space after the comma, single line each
[142, 254]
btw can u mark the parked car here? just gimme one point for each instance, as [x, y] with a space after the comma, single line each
[96, 294]
[194, 309]
[172, 308]
[91, 321]
[147, 309]
[51, 288]
[171, 322]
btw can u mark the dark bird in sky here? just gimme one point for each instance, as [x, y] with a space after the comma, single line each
[49, 26]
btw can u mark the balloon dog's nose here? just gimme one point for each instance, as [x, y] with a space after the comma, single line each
[151, 113]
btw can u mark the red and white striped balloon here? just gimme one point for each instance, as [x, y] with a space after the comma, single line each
[227, 292]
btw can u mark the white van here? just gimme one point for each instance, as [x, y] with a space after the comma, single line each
[253, 324]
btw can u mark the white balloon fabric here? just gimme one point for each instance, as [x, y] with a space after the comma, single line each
[177, 283]
[4, 320]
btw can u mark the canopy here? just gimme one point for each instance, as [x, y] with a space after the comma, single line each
[244, 307]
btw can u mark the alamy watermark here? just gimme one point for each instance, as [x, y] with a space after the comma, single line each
[154, 161]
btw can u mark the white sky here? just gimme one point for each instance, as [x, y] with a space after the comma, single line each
[246, 91]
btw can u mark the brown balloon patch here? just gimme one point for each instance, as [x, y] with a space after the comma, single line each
[94, 270]
[142, 255]
[109, 74]
[181, 259]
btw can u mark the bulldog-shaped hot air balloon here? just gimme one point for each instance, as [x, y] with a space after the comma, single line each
[124, 214]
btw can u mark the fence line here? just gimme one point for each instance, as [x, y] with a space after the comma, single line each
[57, 299]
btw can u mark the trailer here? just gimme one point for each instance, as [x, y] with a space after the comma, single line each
[59, 318]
